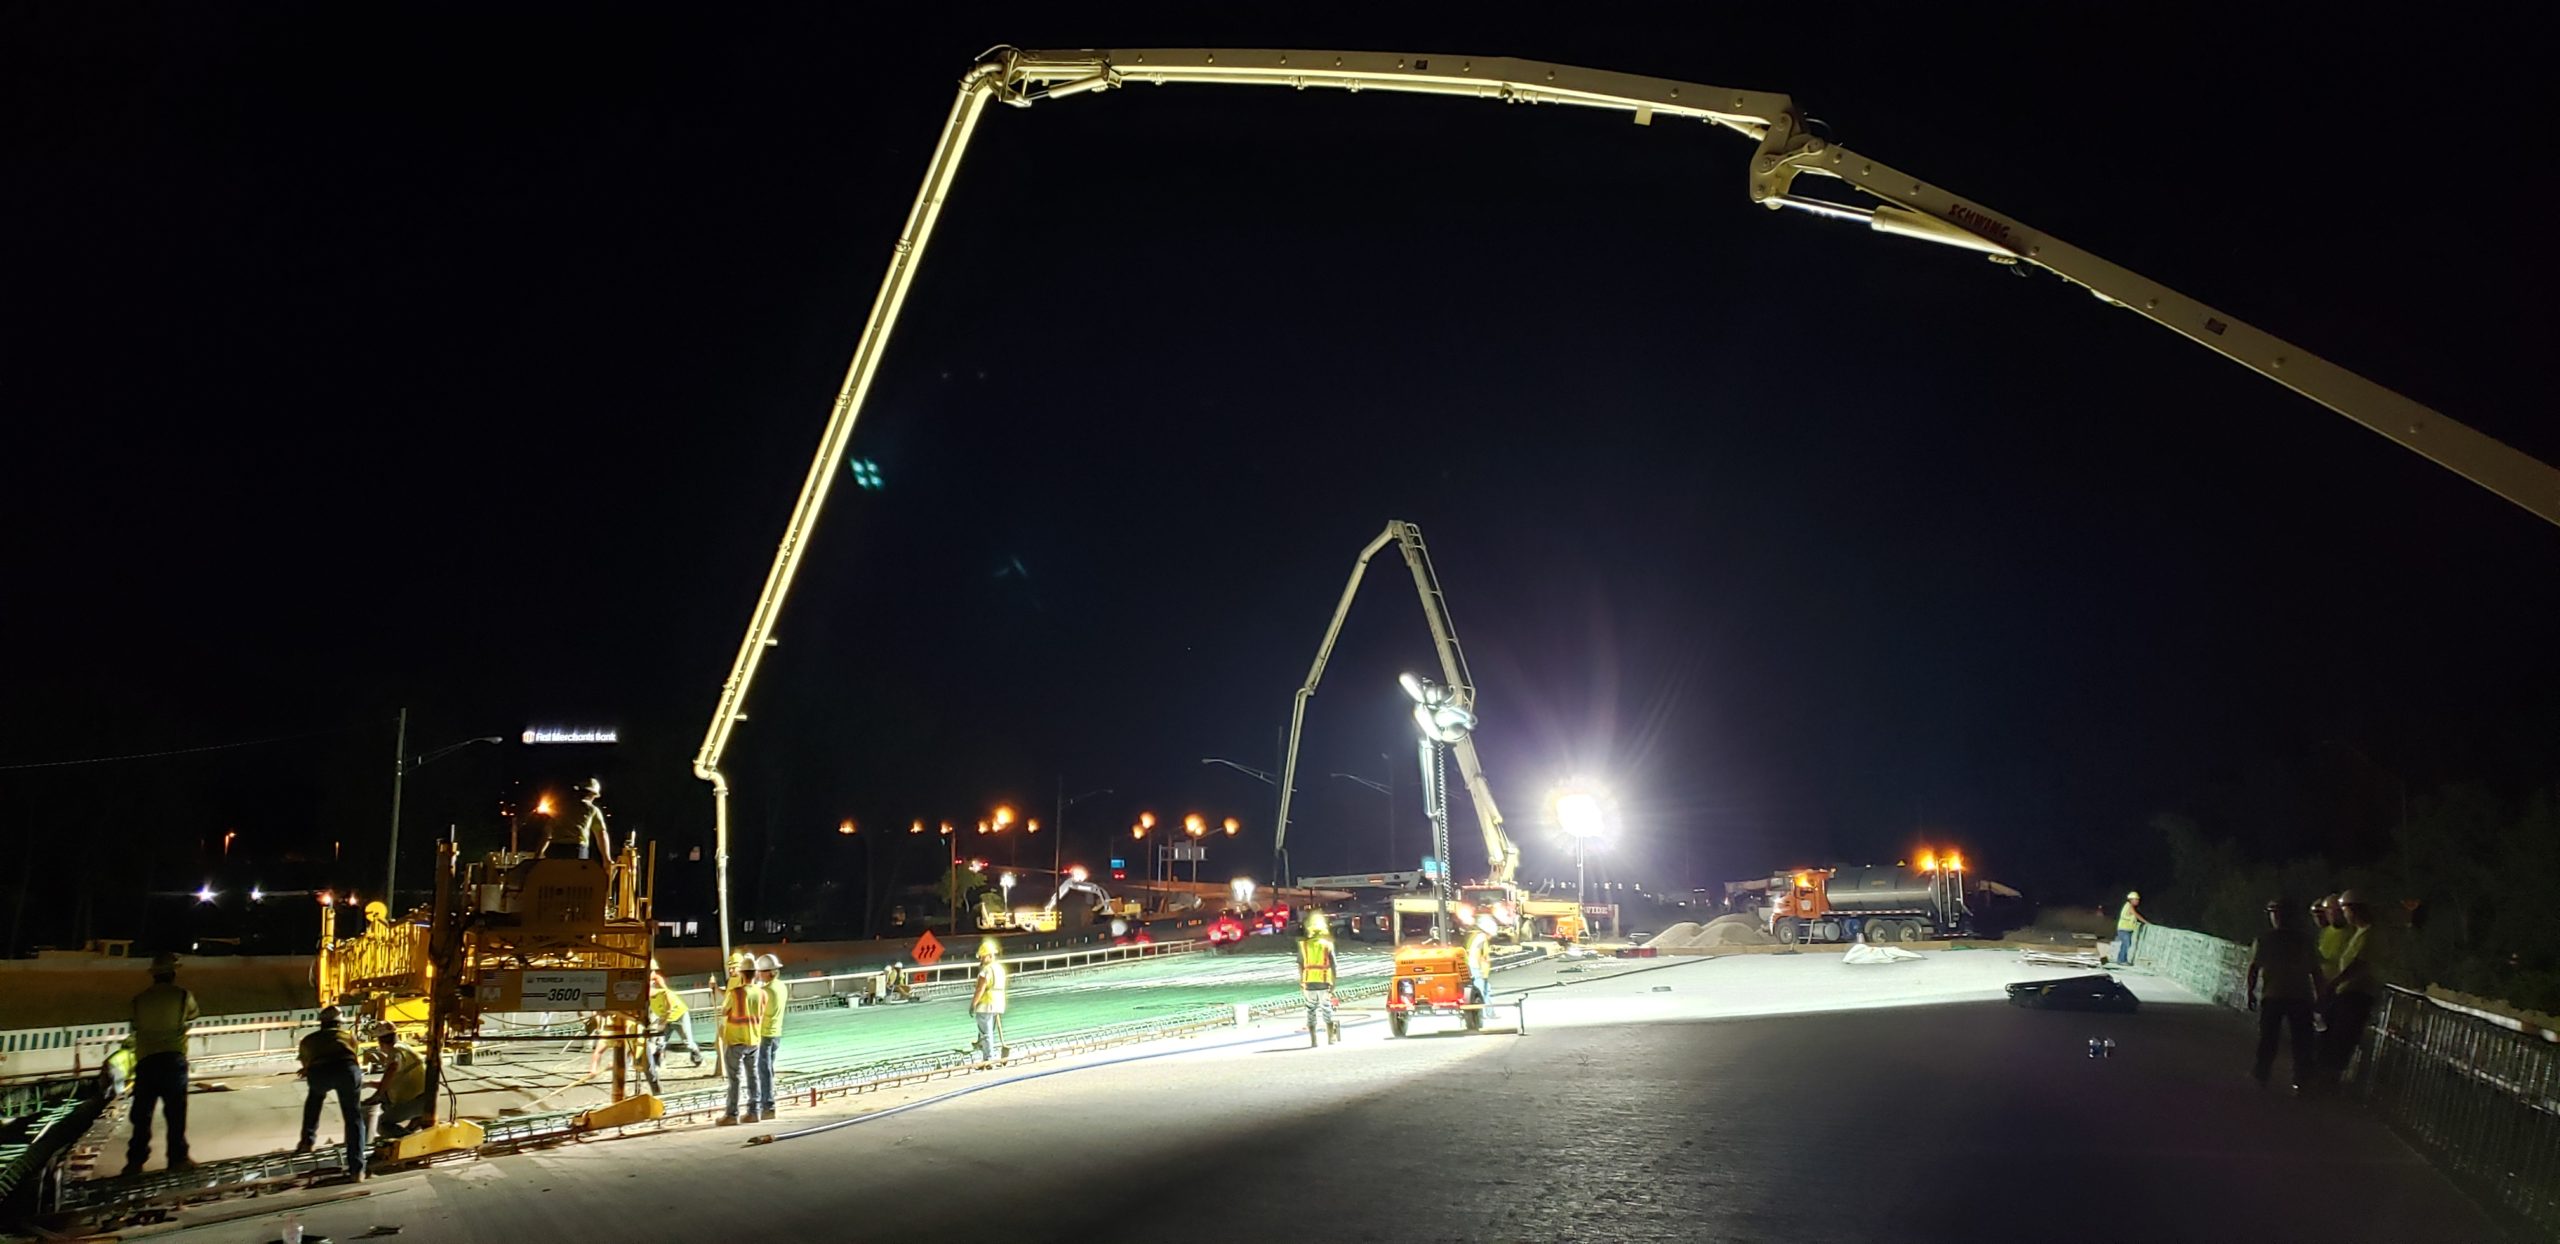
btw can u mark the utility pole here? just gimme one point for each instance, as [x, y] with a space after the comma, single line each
[399, 773]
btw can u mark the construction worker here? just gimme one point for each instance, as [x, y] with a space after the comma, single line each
[2353, 989]
[330, 1064]
[400, 1097]
[161, 1014]
[2129, 921]
[118, 1071]
[674, 1024]
[987, 1004]
[777, 997]
[1480, 958]
[1316, 974]
[2334, 935]
[579, 831]
[741, 1035]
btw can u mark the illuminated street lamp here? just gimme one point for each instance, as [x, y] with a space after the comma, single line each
[845, 827]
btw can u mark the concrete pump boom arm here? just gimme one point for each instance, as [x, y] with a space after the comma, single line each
[1502, 857]
[1905, 206]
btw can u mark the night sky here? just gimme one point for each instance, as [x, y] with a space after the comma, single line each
[469, 361]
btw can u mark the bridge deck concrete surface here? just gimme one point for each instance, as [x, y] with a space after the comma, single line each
[1776, 1098]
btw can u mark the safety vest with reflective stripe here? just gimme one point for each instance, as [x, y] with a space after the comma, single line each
[408, 1076]
[1480, 953]
[2126, 921]
[742, 1015]
[1315, 962]
[989, 1000]
[665, 1007]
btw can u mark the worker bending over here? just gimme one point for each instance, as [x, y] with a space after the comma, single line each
[330, 1065]
[400, 1096]
[1316, 975]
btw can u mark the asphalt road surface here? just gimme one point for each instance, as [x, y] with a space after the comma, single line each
[1640, 1105]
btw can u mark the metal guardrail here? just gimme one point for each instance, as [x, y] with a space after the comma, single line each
[2479, 1093]
[80, 1049]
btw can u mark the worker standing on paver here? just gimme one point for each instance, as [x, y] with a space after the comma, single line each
[580, 832]
[161, 1014]
[2284, 978]
[1316, 976]
[400, 1097]
[330, 1064]
[987, 1004]
[2129, 922]
[1480, 959]
[777, 998]
[741, 1035]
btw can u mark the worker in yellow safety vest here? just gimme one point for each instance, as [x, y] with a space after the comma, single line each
[987, 1004]
[741, 1035]
[2129, 922]
[400, 1096]
[119, 1068]
[768, 1050]
[161, 1014]
[673, 1021]
[1316, 976]
[1480, 958]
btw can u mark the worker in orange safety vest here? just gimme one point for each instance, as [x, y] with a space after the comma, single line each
[741, 1034]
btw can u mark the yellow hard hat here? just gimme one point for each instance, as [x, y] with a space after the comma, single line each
[1316, 926]
[989, 948]
[2135, 895]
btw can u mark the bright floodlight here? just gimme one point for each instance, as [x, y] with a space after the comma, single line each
[1006, 881]
[257, 895]
[1077, 872]
[1582, 811]
[1417, 687]
[205, 895]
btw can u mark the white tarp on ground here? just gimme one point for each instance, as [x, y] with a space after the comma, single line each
[1863, 953]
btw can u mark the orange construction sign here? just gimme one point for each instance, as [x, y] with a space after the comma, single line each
[928, 949]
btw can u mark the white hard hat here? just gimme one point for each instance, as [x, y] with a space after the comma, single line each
[2135, 895]
[768, 963]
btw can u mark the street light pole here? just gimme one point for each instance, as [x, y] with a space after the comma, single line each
[399, 776]
[400, 766]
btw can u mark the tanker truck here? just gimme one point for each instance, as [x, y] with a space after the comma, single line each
[1924, 901]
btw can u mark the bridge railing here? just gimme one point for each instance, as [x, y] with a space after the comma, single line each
[80, 1049]
[2479, 1092]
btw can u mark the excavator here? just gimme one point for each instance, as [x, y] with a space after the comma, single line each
[1518, 916]
[1788, 148]
[992, 917]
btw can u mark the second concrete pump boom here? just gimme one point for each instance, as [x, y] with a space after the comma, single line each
[1502, 857]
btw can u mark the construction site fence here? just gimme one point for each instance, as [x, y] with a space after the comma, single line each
[2207, 966]
[2477, 1092]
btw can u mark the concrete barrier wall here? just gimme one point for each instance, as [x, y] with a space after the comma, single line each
[2207, 965]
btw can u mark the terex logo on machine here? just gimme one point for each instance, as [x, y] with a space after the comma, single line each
[1996, 230]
